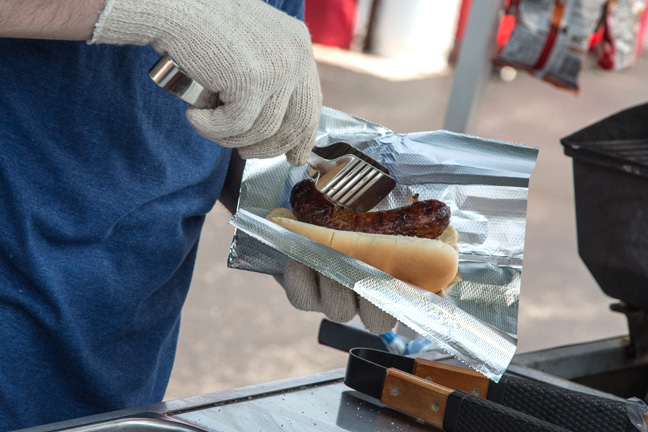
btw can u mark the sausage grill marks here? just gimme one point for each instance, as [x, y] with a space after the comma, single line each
[426, 219]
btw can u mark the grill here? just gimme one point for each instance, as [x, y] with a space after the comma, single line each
[610, 168]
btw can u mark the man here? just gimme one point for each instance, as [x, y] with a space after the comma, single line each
[104, 184]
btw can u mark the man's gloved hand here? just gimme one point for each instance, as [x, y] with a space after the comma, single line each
[309, 290]
[256, 57]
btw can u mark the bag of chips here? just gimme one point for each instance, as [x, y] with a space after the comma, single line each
[550, 38]
[621, 34]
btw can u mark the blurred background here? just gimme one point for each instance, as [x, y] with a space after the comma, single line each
[394, 62]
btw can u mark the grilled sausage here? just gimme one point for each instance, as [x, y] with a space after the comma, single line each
[425, 219]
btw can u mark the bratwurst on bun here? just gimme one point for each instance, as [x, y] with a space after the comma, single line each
[415, 243]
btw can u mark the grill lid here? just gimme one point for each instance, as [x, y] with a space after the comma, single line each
[619, 142]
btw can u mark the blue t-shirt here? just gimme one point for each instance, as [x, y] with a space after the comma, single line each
[104, 187]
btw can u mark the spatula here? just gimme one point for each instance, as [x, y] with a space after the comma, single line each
[351, 181]
[356, 182]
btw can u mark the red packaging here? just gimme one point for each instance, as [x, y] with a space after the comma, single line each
[550, 38]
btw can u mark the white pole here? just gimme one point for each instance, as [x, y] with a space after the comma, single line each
[473, 66]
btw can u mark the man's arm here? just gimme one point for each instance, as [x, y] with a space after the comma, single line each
[49, 19]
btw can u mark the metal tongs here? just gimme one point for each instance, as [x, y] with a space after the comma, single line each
[459, 399]
[349, 179]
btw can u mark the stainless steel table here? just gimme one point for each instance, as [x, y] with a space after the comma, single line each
[316, 402]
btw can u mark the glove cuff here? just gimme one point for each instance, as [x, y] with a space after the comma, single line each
[101, 22]
[130, 22]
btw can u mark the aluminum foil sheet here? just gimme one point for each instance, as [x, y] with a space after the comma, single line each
[485, 184]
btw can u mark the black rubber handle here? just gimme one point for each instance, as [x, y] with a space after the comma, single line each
[570, 409]
[466, 413]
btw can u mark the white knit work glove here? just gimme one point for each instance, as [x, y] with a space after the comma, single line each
[309, 290]
[256, 57]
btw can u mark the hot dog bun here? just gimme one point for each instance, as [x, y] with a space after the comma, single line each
[430, 264]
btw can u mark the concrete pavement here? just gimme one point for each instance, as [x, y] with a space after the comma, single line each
[238, 328]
